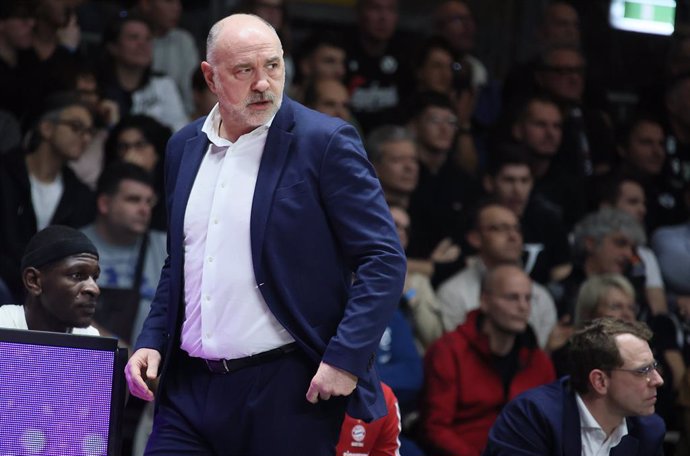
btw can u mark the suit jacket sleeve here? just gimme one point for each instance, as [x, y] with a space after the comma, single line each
[521, 429]
[361, 222]
[154, 333]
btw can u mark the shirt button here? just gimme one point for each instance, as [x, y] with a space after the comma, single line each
[208, 298]
[210, 259]
[215, 221]
[222, 185]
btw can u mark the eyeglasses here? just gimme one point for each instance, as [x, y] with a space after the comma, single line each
[77, 127]
[123, 147]
[439, 120]
[645, 371]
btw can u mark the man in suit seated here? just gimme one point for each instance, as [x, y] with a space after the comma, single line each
[605, 406]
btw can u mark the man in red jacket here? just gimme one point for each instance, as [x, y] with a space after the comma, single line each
[472, 372]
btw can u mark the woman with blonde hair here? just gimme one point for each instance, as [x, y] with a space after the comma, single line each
[605, 295]
[612, 295]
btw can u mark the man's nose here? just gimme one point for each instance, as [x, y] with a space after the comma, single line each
[655, 379]
[91, 287]
[145, 207]
[261, 83]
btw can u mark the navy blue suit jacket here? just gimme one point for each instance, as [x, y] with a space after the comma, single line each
[326, 254]
[545, 421]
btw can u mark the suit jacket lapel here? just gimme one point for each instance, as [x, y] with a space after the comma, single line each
[572, 441]
[272, 163]
[192, 155]
[629, 445]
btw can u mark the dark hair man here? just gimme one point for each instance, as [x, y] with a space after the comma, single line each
[131, 254]
[496, 236]
[37, 188]
[606, 406]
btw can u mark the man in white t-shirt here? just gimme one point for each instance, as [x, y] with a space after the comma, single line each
[59, 271]
[37, 188]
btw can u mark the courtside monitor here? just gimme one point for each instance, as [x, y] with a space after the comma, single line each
[644, 16]
[60, 394]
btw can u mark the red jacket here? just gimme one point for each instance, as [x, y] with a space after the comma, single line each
[378, 438]
[463, 393]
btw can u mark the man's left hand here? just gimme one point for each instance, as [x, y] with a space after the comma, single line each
[330, 381]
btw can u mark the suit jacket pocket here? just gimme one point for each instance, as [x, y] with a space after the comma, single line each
[291, 191]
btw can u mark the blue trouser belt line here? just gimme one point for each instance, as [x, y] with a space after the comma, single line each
[225, 366]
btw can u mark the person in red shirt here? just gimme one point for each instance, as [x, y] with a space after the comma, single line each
[378, 438]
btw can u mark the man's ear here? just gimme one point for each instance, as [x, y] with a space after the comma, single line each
[32, 281]
[207, 69]
[599, 381]
[102, 203]
[473, 239]
[483, 302]
[45, 129]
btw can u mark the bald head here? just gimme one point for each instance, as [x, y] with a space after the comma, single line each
[236, 29]
[496, 276]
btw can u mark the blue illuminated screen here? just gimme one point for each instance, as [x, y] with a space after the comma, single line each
[54, 401]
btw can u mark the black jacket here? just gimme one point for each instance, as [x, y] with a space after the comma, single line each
[76, 208]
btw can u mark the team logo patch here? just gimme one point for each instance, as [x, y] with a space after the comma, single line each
[358, 433]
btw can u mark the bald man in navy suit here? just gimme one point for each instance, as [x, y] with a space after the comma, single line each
[284, 268]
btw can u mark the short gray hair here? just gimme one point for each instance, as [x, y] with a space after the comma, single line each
[384, 135]
[591, 292]
[605, 221]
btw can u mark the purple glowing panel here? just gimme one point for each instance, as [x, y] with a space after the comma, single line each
[54, 401]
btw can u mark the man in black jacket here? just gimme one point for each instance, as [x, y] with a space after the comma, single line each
[37, 188]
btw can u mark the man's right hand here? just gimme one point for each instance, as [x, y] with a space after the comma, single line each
[142, 367]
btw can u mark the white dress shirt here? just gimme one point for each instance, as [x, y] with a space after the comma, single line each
[226, 316]
[594, 441]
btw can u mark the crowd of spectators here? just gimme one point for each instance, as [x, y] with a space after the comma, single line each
[526, 207]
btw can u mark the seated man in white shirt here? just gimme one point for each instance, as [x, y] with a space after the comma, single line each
[59, 271]
[605, 406]
[495, 234]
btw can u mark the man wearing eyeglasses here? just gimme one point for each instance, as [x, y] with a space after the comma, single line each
[495, 233]
[37, 188]
[605, 406]
[587, 146]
